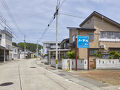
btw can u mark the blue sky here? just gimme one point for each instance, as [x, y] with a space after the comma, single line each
[32, 16]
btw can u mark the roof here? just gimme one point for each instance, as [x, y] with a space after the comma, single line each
[101, 16]
[7, 32]
[79, 28]
[50, 42]
[53, 50]
[1, 47]
[64, 40]
[67, 39]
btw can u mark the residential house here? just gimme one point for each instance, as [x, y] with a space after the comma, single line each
[103, 32]
[49, 45]
[64, 48]
[15, 52]
[25, 54]
[6, 45]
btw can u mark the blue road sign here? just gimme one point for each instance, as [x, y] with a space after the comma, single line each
[82, 41]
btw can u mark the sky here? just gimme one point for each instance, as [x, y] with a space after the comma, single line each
[33, 16]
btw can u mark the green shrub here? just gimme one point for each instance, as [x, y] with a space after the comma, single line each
[98, 54]
[71, 55]
[114, 55]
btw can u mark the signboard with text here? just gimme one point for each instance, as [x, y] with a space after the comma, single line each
[82, 41]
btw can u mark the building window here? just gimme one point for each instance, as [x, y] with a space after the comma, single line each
[73, 38]
[110, 36]
[93, 51]
[91, 37]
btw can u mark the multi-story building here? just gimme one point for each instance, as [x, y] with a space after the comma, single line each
[6, 45]
[49, 45]
[104, 35]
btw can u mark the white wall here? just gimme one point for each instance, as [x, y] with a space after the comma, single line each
[53, 63]
[15, 52]
[81, 64]
[107, 64]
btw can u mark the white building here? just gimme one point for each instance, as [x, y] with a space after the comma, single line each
[15, 52]
[6, 44]
[49, 45]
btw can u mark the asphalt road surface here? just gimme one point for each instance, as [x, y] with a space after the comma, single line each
[26, 75]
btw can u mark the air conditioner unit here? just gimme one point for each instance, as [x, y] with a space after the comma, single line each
[102, 46]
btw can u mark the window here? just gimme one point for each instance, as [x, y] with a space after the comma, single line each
[73, 38]
[91, 37]
[93, 51]
[110, 36]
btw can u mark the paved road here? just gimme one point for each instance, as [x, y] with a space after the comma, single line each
[26, 75]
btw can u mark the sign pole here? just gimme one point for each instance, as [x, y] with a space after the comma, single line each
[88, 59]
[76, 51]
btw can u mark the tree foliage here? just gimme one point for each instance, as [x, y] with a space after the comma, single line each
[98, 54]
[114, 55]
[71, 55]
[30, 46]
[13, 43]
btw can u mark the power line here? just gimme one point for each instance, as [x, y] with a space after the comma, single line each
[4, 4]
[70, 15]
[60, 5]
[46, 29]
[54, 16]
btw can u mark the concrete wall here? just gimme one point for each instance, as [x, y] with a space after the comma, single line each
[107, 64]
[53, 63]
[82, 64]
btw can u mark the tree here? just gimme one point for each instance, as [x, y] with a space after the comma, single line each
[71, 55]
[30, 46]
[114, 55]
[14, 44]
[98, 54]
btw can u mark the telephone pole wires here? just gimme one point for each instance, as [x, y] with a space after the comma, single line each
[37, 49]
[56, 14]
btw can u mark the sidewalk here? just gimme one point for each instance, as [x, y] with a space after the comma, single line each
[69, 76]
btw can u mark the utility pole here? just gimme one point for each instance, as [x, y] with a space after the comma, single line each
[24, 48]
[37, 49]
[57, 10]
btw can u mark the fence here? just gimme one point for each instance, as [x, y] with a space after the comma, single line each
[81, 64]
[107, 64]
[53, 63]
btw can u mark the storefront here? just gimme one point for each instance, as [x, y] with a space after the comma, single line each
[4, 54]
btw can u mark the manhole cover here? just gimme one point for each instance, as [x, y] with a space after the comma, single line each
[61, 74]
[32, 67]
[6, 84]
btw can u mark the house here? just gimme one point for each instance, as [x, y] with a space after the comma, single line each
[49, 45]
[15, 52]
[104, 36]
[25, 54]
[5, 45]
[51, 51]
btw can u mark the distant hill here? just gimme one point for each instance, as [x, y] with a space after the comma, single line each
[30, 46]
